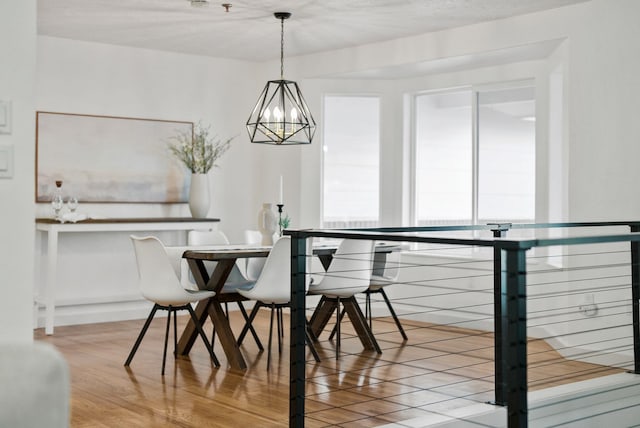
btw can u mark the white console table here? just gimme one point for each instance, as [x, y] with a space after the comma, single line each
[52, 228]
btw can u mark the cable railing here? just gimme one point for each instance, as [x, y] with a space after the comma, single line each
[512, 318]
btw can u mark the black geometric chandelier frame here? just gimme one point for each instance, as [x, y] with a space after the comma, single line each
[281, 115]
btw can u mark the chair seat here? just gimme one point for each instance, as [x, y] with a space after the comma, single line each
[177, 297]
[235, 286]
[199, 294]
[343, 292]
[377, 282]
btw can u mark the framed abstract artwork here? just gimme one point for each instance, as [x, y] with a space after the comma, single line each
[109, 158]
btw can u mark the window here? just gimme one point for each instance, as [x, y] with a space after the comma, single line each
[506, 155]
[351, 161]
[443, 158]
[462, 176]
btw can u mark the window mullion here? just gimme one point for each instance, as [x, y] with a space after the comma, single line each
[474, 157]
[413, 192]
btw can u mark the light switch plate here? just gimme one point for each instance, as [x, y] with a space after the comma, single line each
[5, 117]
[6, 161]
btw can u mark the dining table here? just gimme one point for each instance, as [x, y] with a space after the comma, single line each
[226, 257]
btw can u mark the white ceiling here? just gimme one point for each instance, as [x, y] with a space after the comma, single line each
[250, 32]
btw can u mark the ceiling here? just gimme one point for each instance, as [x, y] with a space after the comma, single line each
[250, 32]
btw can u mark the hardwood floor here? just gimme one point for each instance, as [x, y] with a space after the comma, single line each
[438, 368]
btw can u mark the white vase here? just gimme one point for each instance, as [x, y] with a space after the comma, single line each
[267, 224]
[199, 195]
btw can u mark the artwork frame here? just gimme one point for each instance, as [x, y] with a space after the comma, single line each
[105, 159]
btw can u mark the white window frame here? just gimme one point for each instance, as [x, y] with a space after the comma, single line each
[475, 142]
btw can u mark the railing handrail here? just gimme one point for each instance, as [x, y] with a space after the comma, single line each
[501, 242]
[502, 226]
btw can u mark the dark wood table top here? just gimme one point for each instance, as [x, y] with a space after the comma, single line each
[226, 253]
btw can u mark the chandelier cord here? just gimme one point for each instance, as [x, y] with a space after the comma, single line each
[281, 48]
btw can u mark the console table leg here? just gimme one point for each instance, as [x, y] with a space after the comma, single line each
[51, 278]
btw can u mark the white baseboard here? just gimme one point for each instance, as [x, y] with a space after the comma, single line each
[90, 313]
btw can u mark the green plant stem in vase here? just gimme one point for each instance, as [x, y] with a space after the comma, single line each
[285, 222]
[199, 151]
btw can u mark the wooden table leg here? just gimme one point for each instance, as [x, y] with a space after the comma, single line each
[360, 324]
[227, 339]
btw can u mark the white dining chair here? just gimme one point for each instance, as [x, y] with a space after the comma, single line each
[348, 274]
[273, 290]
[387, 275]
[253, 265]
[159, 283]
[379, 281]
[236, 278]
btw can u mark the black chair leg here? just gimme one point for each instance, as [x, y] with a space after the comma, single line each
[339, 318]
[141, 335]
[175, 336]
[203, 335]
[393, 314]
[166, 338]
[333, 332]
[281, 323]
[273, 307]
[367, 309]
[279, 319]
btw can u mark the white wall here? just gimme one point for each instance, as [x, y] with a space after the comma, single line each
[17, 74]
[604, 100]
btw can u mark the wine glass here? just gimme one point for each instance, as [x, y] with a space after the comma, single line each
[57, 202]
[72, 203]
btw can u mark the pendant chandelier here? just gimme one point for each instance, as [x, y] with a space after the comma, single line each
[281, 115]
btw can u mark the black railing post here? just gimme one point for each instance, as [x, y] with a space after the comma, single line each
[298, 330]
[499, 357]
[514, 335]
[635, 298]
